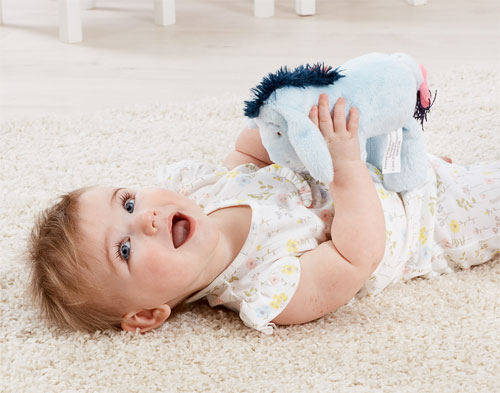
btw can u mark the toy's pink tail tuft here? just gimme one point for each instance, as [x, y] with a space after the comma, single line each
[424, 97]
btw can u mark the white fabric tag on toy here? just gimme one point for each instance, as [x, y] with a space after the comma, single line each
[392, 156]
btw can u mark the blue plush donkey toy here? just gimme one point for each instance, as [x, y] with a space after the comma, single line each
[391, 94]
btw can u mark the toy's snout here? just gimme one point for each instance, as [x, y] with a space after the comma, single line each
[274, 138]
[292, 140]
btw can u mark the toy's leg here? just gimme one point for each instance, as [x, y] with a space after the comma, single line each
[413, 159]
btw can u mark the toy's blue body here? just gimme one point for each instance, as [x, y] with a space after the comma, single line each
[382, 87]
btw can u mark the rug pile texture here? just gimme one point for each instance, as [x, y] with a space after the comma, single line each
[438, 335]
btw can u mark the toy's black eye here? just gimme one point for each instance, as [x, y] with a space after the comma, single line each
[279, 133]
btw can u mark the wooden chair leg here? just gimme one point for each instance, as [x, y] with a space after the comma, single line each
[305, 7]
[70, 21]
[263, 8]
[165, 12]
[87, 4]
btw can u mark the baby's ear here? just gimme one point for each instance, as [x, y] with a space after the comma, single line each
[146, 320]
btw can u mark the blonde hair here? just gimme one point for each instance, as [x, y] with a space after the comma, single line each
[60, 279]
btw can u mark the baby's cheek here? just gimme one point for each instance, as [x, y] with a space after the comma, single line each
[156, 265]
[161, 272]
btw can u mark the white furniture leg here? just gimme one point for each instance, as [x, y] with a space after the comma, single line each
[165, 12]
[70, 21]
[417, 2]
[263, 8]
[305, 7]
[87, 4]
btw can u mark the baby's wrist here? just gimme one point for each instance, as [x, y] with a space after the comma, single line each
[347, 164]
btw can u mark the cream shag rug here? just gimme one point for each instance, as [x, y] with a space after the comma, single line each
[439, 335]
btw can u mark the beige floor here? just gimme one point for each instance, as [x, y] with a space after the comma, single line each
[216, 47]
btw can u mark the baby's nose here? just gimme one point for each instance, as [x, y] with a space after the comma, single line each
[146, 222]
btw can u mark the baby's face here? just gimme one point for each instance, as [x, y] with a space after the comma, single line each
[147, 247]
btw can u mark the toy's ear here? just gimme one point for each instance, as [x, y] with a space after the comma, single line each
[308, 143]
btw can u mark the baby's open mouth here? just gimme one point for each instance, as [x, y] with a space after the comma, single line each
[180, 229]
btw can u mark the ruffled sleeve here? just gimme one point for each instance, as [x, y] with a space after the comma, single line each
[188, 176]
[299, 181]
[264, 298]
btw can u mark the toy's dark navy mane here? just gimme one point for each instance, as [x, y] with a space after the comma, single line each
[302, 76]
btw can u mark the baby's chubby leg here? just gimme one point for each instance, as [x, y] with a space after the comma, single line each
[413, 159]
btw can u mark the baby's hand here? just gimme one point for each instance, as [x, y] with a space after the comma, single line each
[342, 140]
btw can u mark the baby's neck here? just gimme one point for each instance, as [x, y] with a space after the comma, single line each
[234, 226]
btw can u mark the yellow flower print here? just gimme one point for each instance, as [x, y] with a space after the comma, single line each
[382, 193]
[275, 305]
[250, 292]
[432, 204]
[276, 166]
[289, 269]
[232, 174]
[378, 173]
[423, 236]
[278, 299]
[455, 226]
[292, 246]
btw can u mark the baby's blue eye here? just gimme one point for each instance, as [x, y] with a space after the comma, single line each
[129, 205]
[128, 202]
[125, 250]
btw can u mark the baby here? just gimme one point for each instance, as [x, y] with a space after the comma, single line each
[273, 245]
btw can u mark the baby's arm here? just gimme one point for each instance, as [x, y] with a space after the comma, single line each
[358, 228]
[334, 272]
[248, 149]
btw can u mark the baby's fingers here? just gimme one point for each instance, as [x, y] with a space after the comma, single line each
[353, 122]
[313, 115]
[325, 118]
[339, 116]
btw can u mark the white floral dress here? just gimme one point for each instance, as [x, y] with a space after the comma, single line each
[451, 222]
[292, 214]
